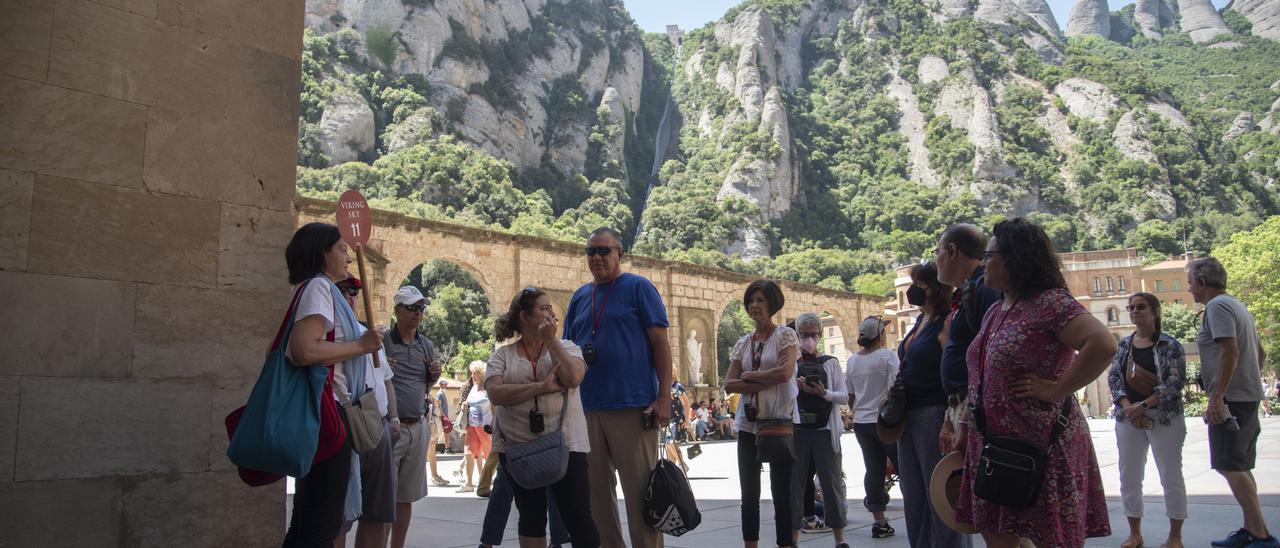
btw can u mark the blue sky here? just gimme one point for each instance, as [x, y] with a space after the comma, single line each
[655, 15]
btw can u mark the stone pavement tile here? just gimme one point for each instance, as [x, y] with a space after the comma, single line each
[450, 519]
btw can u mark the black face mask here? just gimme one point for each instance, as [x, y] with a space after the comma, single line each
[916, 296]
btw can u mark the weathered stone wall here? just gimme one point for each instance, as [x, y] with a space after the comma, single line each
[146, 179]
[505, 263]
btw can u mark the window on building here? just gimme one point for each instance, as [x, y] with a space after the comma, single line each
[831, 331]
[1177, 284]
[1113, 316]
[1110, 288]
[1159, 286]
[1122, 289]
[1097, 285]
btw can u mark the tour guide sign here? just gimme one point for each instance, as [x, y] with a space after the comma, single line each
[355, 222]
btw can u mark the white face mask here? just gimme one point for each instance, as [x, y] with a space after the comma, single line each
[809, 346]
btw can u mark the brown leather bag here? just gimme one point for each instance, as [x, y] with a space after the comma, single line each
[1139, 379]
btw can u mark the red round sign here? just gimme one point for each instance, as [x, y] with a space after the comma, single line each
[355, 221]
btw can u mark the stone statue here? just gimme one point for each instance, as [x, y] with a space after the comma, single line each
[694, 349]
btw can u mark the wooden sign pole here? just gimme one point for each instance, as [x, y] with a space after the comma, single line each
[364, 296]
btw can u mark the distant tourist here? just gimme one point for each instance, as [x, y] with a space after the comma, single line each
[1231, 358]
[478, 415]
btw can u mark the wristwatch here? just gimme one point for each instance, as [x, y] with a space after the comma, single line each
[1143, 404]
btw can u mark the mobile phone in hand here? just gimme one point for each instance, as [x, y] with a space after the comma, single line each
[648, 421]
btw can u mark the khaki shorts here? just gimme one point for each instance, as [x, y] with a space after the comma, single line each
[411, 462]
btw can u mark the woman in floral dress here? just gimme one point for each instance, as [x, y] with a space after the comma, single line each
[1035, 349]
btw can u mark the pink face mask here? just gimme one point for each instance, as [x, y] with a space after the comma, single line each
[809, 346]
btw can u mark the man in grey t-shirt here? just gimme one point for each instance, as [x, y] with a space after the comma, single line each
[1230, 363]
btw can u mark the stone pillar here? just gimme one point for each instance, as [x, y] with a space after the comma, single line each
[146, 180]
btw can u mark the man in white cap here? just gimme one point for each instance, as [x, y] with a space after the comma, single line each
[414, 362]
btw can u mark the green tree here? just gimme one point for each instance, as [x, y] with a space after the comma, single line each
[1252, 260]
[381, 43]
[734, 323]
[1179, 321]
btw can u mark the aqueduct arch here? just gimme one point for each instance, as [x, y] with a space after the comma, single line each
[504, 263]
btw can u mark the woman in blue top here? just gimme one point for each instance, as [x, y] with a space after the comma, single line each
[918, 451]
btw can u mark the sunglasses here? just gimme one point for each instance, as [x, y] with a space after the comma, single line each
[349, 291]
[602, 251]
[529, 290]
[414, 307]
[989, 254]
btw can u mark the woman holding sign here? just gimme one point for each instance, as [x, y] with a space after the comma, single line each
[317, 259]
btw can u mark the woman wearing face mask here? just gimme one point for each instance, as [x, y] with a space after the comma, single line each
[817, 438]
[1146, 380]
[762, 367]
[918, 453]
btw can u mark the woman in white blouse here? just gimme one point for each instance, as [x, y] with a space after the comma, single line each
[762, 368]
[531, 382]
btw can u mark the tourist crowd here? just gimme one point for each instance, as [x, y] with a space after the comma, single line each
[973, 413]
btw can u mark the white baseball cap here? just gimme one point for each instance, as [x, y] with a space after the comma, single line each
[871, 328]
[408, 295]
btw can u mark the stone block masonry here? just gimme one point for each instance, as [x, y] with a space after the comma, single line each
[146, 188]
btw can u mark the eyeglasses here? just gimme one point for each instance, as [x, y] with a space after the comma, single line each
[804, 335]
[602, 251]
[414, 307]
[989, 254]
[349, 291]
[1136, 307]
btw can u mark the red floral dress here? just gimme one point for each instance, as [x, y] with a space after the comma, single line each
[1071, 505]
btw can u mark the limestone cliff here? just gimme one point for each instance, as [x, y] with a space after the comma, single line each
[1263, 14]
[1090, 17]
[522, 79]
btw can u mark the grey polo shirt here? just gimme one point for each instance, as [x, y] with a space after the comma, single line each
[411, 363]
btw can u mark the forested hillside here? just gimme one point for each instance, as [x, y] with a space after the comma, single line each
[819, 140]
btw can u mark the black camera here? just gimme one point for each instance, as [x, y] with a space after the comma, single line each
[647, 421]
[589, 353]
[750, 411]
[535, 421]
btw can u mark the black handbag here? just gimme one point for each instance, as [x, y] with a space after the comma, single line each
[1010, 470]
[776, 441]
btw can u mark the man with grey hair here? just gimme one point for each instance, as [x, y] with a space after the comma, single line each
[817, 436]
[959, 261]
[1231, 358]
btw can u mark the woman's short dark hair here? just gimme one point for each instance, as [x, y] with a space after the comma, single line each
[927, 273]
[305, 253]
[772, 294]
[508, 324]
[1029, 258]
[1153, 302]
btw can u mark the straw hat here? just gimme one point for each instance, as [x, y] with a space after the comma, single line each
[944, 490]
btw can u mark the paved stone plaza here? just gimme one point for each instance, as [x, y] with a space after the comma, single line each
[450, 519]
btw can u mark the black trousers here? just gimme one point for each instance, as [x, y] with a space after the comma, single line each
[573, 498]
[318, 501]
[779, 487]
[873, 454]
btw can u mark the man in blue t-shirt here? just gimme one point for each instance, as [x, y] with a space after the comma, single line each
[620, 323]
